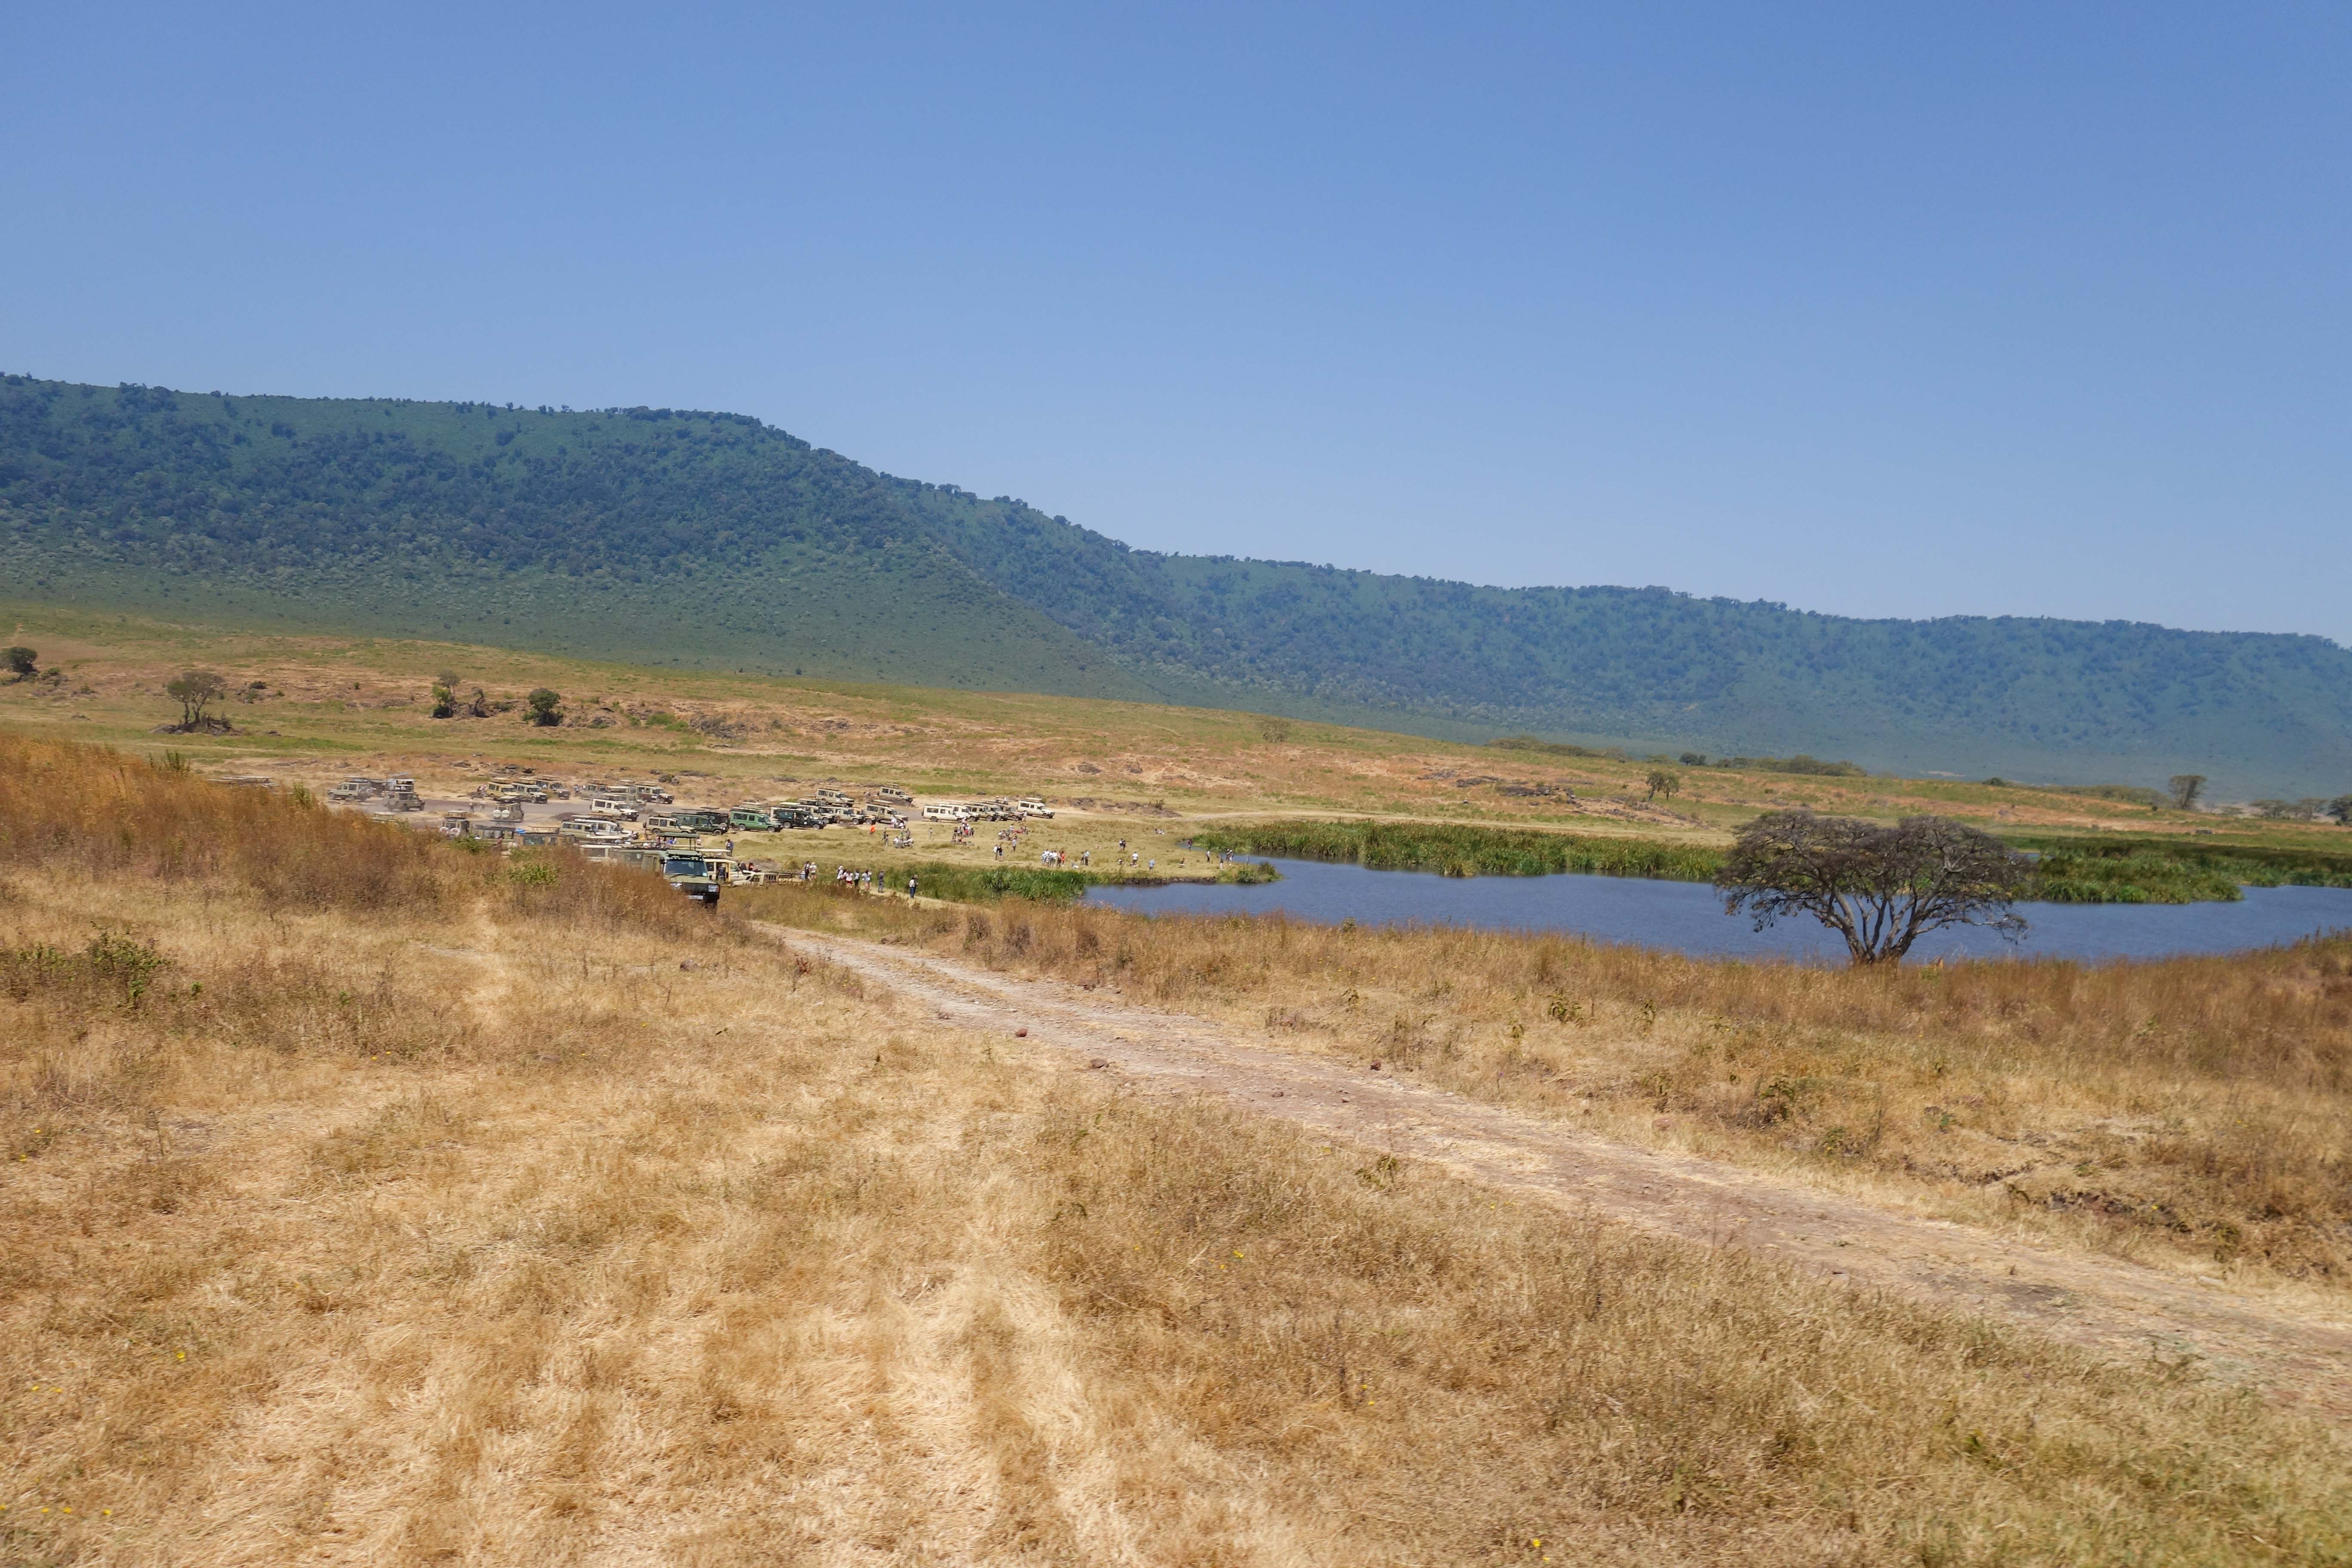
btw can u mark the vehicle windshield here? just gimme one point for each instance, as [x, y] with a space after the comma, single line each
[686, 865]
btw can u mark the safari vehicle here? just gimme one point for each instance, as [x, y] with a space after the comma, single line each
[503, 791]
[698, 877]
[615, 808]
[400, 793]
[1034, 808]
[593, 830]
[700, 821]
[944, 812]
[752, 819]
[894, 795]
[653, 794]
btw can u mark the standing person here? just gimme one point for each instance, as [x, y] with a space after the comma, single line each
[910, 887]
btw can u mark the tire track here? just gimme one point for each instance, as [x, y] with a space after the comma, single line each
[2116, 1307]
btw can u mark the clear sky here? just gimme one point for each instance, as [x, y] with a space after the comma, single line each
[1884, 309]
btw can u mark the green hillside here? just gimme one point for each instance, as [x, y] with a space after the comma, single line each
[663, 536]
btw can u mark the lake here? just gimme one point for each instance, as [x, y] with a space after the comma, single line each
[1687, 917]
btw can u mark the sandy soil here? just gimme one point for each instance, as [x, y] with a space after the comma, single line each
[2107, 1304]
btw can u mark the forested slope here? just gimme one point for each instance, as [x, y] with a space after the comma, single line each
[709, 539]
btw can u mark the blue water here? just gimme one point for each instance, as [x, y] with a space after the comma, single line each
[1687, 917]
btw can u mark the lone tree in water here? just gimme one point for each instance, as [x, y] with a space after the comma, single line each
[1880, 887]
[2184, 789]
[194, 690]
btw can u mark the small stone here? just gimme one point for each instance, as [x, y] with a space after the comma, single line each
[686, 963]
[1019, 1034]
[1099, 1064]
[1376, 1067]
[545, 1058]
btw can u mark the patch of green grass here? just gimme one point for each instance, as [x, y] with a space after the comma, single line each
[1466, 850]
[2134, 871]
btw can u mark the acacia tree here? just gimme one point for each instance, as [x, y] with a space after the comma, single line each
[2184, 789]
[194, 690]
[21, 661]
[2340, 809]
[1663, 782]
[546, 706]
[1880, 887]
[444, 694]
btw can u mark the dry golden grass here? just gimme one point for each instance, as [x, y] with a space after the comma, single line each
[333, 706]
[475, 1229]
[2196, 1111]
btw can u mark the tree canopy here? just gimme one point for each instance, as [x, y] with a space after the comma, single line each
[194, 690]
[1880, 887]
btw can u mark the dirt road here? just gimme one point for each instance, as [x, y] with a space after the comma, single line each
[2110, 1305]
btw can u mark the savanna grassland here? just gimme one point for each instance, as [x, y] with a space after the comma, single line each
[371, 1201]
[2189, 1113]
[312, 710]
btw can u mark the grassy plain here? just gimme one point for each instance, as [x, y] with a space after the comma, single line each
[369, 1201]
[2192, 1114]
[327, 707]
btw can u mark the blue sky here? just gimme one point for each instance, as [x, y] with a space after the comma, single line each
[1878, 309]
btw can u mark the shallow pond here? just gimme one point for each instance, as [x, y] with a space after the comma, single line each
[1687, 917]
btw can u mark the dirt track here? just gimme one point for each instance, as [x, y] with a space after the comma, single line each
[2112, 1306]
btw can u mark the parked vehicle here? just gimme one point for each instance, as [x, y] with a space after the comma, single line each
[752, 819]
[698, 877]
[894, 795]
[1034, 808]
[946, 812]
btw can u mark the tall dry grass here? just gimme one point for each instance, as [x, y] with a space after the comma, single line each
[108, 814]
[469, 1233]
[2196, 1111]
